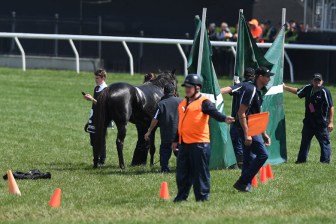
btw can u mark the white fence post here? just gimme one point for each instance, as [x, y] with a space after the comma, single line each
[23, 54]
[130, 57]
[185, 61]
[76, 54]
[291, 70]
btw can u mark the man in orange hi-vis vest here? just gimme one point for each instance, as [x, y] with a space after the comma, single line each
[194, 141]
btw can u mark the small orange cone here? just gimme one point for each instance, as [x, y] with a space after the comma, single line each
[164, 193]
[255, 181]
[269, 172]
[55, 200]
[263, 177]
[12, 185]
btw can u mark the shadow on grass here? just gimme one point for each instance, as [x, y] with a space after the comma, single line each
[102, 170]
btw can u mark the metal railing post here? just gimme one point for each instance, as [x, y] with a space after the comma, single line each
[291, 70]
[76, 54]
[23, 54]
[130, 57]
[185, 61]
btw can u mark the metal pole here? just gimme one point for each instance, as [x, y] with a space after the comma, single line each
[200, 52]
[23, 55]
[185, 61]
[142, 34]
[80, 22]
[100, 33]
[305, 13]
[76, 54]
[13, 31]
[130, 57]
[291, 69]
[56, 32]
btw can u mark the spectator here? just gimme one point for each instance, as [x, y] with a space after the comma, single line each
[255, 29]
[292, 32]
[212, 31]
[225, 33]
[269, 31]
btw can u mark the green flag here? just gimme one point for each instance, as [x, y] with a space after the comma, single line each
[273, 102]
[248, 53]
[222, 154]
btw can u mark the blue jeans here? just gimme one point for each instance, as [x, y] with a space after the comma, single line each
[193, 170]
[165, 154]
[252, 165]
[322, 136]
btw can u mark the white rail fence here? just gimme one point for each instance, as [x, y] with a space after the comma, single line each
[125, 40]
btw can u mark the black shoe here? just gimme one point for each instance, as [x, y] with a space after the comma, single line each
[101, 161]
[165, 170]
[242, 187]
[299, 162]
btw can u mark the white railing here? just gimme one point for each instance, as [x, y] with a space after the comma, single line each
[125, 40]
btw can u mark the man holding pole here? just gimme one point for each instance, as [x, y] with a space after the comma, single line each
[319, 117]
[250, 103]
[234, 91]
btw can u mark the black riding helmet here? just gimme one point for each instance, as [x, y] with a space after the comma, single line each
[192, 80]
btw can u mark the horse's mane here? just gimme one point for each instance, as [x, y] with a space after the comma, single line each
[163, 78]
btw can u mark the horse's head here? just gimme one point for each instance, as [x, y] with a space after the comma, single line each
[164, 78]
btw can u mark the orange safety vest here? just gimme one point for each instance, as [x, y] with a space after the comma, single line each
[193, 126]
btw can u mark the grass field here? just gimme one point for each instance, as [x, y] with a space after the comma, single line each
[42, 114]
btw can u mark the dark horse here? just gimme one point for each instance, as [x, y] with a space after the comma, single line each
[123, 103]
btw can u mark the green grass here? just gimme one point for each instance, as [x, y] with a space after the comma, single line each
[42, 114]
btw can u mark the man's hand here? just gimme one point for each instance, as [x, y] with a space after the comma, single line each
[267, 139]
[147, 135]
[229, 120]
[174, 146]
[88, 97]
[330, 126]
[248, 140]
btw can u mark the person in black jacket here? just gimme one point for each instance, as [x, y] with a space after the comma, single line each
[100, 77]
[166, 117]
[319, 118]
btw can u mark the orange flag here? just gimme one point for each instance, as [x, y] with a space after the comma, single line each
[257, 123]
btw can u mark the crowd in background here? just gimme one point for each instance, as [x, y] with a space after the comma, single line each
[262, 32]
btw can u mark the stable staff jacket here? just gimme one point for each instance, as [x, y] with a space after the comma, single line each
[193, 125]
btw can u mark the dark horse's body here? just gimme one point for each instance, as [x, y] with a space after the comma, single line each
[123, 103]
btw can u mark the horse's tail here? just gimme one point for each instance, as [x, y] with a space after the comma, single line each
[101, 121]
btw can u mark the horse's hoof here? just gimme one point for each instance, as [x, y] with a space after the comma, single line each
[122, 167]
[95, 165]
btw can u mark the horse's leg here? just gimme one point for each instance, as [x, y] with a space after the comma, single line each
[120, 143]
[141, 149]
[152, 148]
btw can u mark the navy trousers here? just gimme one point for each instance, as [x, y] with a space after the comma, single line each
[237, 142]
[322, 135]
[251, 164]
[193, 170]
[165, 154]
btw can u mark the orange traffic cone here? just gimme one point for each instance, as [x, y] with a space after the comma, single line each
[263, 178]
[164, 193]
[255, 181]
[269, 172]
[12, 185]
[55, 200]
